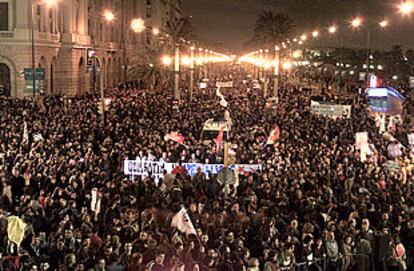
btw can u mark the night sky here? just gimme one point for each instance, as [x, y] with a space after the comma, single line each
[232, 21]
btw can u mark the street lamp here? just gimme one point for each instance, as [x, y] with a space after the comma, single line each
[357, 22]
[192, 71]
[383, 23]
[303, 37]
[166, 60]
[332, 29]
[138, 25]
[155, 31]
[315, 33]
[276, 73]
[406, 7]
[108, 16]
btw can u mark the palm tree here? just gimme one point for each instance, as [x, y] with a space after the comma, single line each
[179, 31]
[149, 68]
[272, 28]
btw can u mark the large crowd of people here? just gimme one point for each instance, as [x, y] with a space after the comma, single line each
[313, 206]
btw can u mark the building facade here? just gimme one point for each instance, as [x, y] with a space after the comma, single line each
[64, 30]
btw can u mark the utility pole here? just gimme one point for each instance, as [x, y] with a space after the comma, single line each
[177, 95]
[276, 73]
[124, 66]
[191, 72]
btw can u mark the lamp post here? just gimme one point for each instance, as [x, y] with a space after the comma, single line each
[276, 73]
[264, 66]
[192, 48]
[357, 23]
[177, 72]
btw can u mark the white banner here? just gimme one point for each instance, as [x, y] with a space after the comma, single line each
[361, 138]
[156, 168]
[410, 139]
[228, 84]
[331, 110]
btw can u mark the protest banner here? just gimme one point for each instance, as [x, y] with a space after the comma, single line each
[156, 168]
[228, 84]
[331, 110]
[361, 138]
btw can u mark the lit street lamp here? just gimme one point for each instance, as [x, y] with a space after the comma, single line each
[406, 8]
[357, 23]
[332, 29]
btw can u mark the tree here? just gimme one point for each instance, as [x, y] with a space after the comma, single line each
[149, 68]
[272, 28]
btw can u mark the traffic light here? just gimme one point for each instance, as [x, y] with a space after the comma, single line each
[90, 57]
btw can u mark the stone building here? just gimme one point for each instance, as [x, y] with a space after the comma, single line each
[63, 32]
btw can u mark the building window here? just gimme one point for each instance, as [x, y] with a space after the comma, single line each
[4, 16]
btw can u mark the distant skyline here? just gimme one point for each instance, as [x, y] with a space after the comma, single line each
[232, 21]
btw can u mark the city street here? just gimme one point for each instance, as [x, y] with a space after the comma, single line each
[167, 135]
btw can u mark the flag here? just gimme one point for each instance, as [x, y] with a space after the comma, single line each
[15, 229]
[274, 136]
[223, 101]
[183, 223]
[38, 137]
[175, 136]
[25, 134]
[96, 201]
[219, 139]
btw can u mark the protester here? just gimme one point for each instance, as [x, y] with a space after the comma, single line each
[314, 202]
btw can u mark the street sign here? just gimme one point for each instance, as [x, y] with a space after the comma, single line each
[39, 77]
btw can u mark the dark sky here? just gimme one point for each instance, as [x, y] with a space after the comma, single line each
[232, 21]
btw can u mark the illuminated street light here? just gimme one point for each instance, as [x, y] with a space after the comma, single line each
[332, 29]
[50, 3]
[108, 15]
[383, 23]
[287, 65]
[357, 22]
[166, 60]
[406, 8]
[186, 61]
[138, 25]
[303, 37]
[155, 31]
[315, 33]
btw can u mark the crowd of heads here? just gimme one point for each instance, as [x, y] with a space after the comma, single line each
[314, 202]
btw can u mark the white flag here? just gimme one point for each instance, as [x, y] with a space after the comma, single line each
[96, 201]
[183, 223]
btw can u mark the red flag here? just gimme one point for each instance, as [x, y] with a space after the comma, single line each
[274, 136]
[219, 139]
[175, 136]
